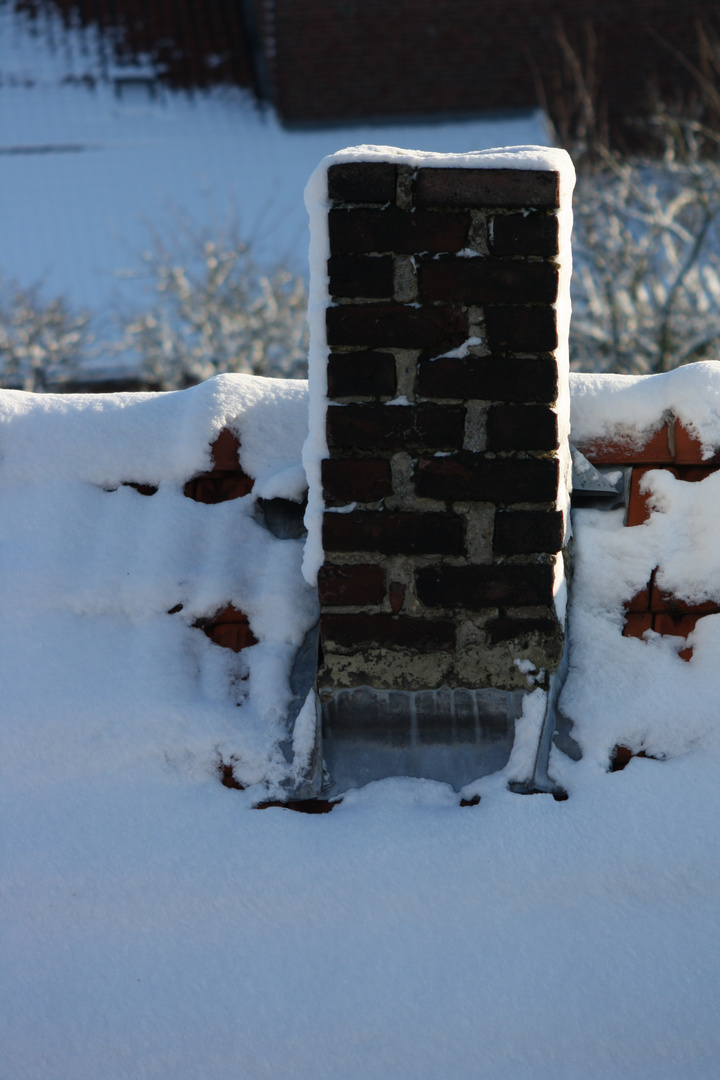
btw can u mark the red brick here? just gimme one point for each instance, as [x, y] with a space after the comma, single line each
[470, 477]
[477, 587]
[229, 628]
[354, 584]
[361, 374]
[639, 602]
[361, 232]
[666, 603]
[621, 757]
[396, 595]
[142, 489]
[370, 276]
[521, 427]
[655, 450]
[235, 636]
[229, 614]
[693, 474]
[488, 281]
[201, 489]
[227, 778]
[347, 480]
[219, 487]
[396, 326]
[511, 379]
[688, 449]
[521, 329]
[225, 451]
[394, 533]
[227, 479]
[675, 625]
[362, 182]
[636, 623]
[478, 188]
[638, 503]
[388, 631]
[686, 654]
[395, 427]
[232, 487]
[638, 506]
[524, 234]
[507, 628]
[522, 532]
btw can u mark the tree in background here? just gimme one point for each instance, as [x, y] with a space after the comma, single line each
[646, 282]
[646, 241]
[39, 339]
[214, 310]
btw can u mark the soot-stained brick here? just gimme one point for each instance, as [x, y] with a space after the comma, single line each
[388, 631]
[347, 480]
[394, 533]
[370, 276]
[523, 532]
[396, 326]
[395, 427]
[488, 281]
[477, 188]
[524, 234]
[355, 232]
[521, 329]
[354, 584]
[510, 379]
[521, 427]
[477, 587]
[469, 477]
[362, 182]
[361, 374]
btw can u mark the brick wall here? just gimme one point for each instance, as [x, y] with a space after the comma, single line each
[446, 426]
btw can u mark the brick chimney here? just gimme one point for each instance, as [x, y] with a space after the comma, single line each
[438, 456]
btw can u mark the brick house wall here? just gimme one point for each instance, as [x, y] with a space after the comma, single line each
[346, 60]
[338, 61]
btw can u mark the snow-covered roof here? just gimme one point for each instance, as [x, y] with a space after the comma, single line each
[155, 922]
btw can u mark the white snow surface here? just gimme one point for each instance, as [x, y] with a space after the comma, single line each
[89, 570]
[156, 925]
[630, 407]
[639, 693]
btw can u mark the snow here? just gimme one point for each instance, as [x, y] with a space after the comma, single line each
[156, 924]
[627, 691]
[629, 407]
[156, 927]
[89, 570]
[528, 729]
